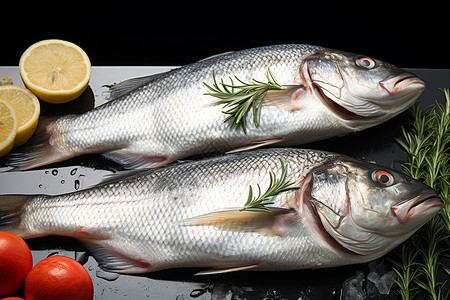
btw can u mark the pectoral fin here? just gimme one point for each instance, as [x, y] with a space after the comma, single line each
[273, 223]
[285, 99]
[132, 160]
[255, 145]
[114, 261]
[227, 269]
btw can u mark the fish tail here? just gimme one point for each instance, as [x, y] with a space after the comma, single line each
[11, 208]
[42, 149]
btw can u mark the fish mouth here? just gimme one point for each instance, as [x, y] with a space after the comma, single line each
[406, 86]
[402, 82]
[417, 206]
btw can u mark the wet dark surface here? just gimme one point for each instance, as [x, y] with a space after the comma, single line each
[376, 145]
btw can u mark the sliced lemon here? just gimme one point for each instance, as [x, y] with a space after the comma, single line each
[26, 107]
[8, 126]
[56, 71]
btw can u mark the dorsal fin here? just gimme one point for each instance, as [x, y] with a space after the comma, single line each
[120, 89]
[216, 55]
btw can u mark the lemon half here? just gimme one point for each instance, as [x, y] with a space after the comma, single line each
[56, 71]
[26, 107]
[8, 126]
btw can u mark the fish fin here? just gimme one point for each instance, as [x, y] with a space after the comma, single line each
[216, 55]
[120, 89]
[285, 99]
[37, 151]
[132, 160]
[11, 211]
[273, 223]
[227, 269]
[255, 145]
[112, 261]
[120, 175]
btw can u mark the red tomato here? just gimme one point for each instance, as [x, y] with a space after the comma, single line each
[58, 277]
[15, 262]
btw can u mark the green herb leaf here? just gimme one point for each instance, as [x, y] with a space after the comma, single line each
[239, 98]
[276, 186]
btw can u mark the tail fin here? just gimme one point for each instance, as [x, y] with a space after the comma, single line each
[11, 207]
[38, 151]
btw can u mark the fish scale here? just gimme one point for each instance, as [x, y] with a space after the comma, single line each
[155, 120]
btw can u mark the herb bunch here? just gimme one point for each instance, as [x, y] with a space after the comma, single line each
[239, 99]
[426, 145]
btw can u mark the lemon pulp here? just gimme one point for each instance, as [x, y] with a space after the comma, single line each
[57, 71]
[26, 107]
[8, 127]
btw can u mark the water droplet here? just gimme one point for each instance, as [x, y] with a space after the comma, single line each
[46, 172]
[53, 253]
[106, 275]
[81, 257]
[74, 171]
[40, 185]
[54, 172]
[198, 292]
[63, 181]
[77, 184]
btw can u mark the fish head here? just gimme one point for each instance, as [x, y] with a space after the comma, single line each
[368, 209]
[360, 90]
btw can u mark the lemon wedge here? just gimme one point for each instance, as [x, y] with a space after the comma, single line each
[8, 127]
[56, 71]
[26, 107]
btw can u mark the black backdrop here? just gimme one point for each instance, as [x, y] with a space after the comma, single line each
[174, 33]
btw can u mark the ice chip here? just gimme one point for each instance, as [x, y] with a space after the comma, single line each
[352, 288]
[383, 283]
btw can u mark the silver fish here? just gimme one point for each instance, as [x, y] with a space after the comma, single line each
[152, 121]
[188, 214]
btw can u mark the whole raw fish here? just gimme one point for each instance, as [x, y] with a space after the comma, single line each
[189, 214]
[155, 120]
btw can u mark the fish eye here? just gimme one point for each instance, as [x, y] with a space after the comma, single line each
[383, 177]
[365, 62]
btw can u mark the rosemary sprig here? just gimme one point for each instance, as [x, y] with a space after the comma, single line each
[406, 270]
[430, 252]
[240, 98]
[276, 186]
[426, 146]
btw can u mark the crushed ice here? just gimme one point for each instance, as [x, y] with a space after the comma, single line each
[377, 284]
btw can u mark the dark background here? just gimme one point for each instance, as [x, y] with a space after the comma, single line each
[171, 33]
